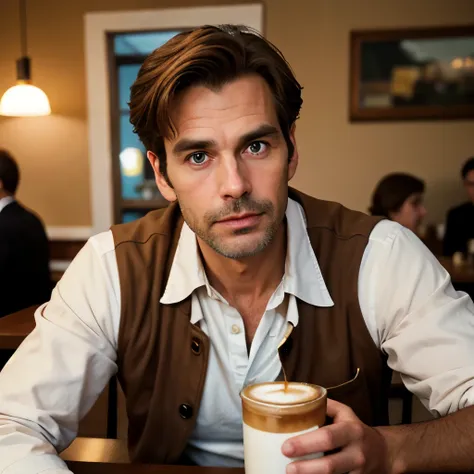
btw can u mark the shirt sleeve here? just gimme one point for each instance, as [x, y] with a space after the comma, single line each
[416, 317]
[61, 368]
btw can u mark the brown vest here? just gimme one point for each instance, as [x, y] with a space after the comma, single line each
[162, 357]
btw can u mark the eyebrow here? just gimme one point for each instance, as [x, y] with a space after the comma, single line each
[187, 144]
[265, 130]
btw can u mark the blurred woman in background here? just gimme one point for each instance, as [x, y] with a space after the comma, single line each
[399, 197]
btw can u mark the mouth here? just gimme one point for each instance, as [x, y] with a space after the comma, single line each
[236, 217]
[246, 219]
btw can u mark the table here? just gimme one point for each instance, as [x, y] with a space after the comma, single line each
[107, 456]
[15, 327]
[459, 274]
[102, 468]
[97, 450]
[13, 330]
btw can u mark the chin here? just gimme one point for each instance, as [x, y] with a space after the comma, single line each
[238, 247]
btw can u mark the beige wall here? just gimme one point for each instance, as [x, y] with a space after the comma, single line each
[339, 160]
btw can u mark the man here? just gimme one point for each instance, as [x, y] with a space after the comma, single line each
[189, 304]
[24, 253]
[460, 220]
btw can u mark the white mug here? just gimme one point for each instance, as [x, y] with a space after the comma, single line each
[273, 414]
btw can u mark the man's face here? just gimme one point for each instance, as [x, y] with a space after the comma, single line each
[469, 185]
[228, 166]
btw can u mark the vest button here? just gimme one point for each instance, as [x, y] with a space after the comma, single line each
[185, 411]
[196, 346]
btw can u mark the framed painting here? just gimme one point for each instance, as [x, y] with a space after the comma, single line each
[409, 74]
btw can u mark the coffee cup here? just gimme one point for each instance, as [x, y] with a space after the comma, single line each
[274, 412]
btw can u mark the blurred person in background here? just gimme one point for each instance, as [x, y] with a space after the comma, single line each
[399, 197]
[24, 253]
[460, 219]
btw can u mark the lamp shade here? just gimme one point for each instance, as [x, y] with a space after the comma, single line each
[24, 100]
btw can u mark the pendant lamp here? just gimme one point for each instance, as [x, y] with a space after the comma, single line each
[24, 99]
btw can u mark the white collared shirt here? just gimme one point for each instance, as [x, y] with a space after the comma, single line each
[5, 201]
[231, 367]
[406, 298]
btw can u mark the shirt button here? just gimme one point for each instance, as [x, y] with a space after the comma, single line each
[235, 329]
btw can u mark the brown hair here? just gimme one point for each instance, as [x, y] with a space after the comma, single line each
[9, 172]
[210, 56]
[467, 167]
[392, 191]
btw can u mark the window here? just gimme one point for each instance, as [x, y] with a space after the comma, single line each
[134, 187]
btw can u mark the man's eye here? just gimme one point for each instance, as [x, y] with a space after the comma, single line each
[257, 147]
[198, 158]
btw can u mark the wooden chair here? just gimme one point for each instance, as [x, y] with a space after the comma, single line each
[398, 390]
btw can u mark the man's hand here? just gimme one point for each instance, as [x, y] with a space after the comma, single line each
[363, 449]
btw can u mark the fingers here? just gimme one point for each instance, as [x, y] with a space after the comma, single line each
[323, 439]
[339, 411]
[349, 460]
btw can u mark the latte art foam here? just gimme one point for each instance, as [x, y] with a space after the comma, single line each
[275, 393]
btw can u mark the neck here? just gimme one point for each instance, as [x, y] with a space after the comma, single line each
[3, 194]
[251, 277]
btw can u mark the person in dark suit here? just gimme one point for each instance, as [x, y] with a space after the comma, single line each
[24, 252]
[460, 220]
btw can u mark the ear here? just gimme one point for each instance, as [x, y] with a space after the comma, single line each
[165, 189]
[293, 160]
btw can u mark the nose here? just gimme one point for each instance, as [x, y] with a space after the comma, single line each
[423, 211]
[233, 178]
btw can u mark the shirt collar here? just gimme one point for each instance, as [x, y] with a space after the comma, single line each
[303, 277]
[5, 201]
[187, 272]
